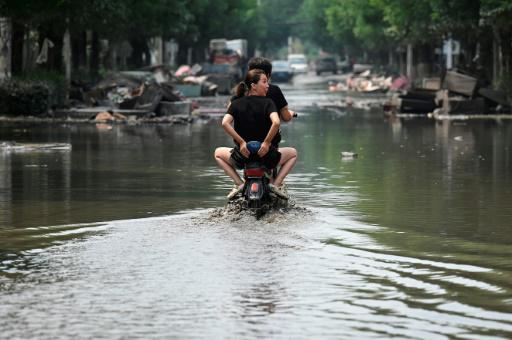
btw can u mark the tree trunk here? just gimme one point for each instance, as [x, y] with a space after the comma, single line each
[139, 49]
[113, 59]
[29, 50]
[401, 63]
[496, 48]
[391, 59]
[18, 32]
[5, 47]
[189, 56]
[147, 56]
[66, 59]
[409, 62]
[55, 58]
[156, 50]
[95, 53]
[79, 50]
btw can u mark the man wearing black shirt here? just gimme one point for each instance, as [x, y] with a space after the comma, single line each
[274, 91]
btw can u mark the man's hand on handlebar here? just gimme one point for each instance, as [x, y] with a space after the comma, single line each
[293, 113]
[244, 150]
[263, 149]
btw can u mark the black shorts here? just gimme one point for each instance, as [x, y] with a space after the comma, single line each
[270, 160]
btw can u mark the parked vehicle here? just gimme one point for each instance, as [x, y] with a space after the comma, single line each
[281, 71]
[238, 45]
[298, 63]
[230, 52]
[326, 64]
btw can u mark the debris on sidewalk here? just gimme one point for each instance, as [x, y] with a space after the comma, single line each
[457, 94]
[364, 82]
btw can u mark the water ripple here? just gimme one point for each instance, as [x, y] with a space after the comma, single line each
[322, 276]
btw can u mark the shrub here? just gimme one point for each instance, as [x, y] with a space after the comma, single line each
[23, 98]
[32, 94]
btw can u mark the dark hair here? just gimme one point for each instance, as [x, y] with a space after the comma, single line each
[262, 64]
[252, 77]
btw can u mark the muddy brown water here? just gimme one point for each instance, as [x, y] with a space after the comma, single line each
[125, 235]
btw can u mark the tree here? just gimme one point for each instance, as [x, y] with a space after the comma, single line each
[281, 20]
[314, 25]
[358, 25]
[210, 19]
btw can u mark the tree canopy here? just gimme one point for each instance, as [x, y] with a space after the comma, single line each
[338, 26]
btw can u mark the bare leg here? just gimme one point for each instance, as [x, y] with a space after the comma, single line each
[222, 157]
[288, 160]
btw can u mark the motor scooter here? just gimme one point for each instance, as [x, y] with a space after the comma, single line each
[256, 192]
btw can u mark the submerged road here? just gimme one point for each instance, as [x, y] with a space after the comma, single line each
[124, 236]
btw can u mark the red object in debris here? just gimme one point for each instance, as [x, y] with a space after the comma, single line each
[182, 71]
[400, 83]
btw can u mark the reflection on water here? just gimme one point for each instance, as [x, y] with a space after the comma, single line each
[411, 239]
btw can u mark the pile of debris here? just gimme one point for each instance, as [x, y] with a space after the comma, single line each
[367, 82]
[154, 92]
[456, 93]
[140, 93]
[207, 79]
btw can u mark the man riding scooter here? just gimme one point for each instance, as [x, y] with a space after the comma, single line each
[255, 118]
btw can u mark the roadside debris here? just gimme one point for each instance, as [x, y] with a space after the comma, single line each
[455, 95]
[152, 93]
[11, 146]
[367, 82]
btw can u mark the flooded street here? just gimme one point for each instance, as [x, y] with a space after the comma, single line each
[116, 238]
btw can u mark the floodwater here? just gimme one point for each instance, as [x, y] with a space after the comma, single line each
[123, 236]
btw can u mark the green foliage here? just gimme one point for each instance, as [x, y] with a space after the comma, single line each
[410, 20]
[357, 23]
[496, 5]
[212, 19]
[53, 82]
[313, 27]
[281, 20]
[229, 19]
[24, 97]
[333, 25]
[455, 17]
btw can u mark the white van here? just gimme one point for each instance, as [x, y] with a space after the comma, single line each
[298, 63]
